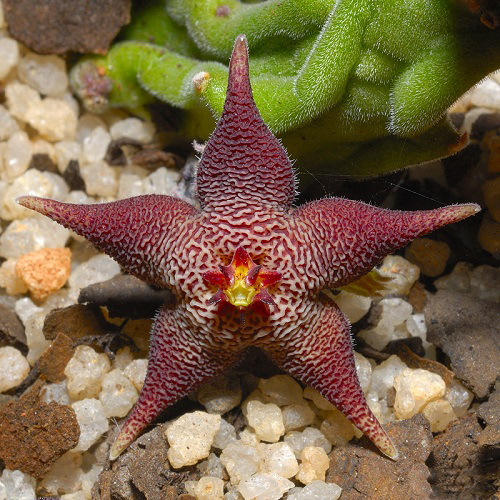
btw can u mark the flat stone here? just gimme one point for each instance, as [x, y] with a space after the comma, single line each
[34, 434]
[12, 330]
[467, 330]
[55, 358]
[56, 27]
[364, 473]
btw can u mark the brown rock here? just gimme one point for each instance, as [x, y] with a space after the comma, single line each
[34, 434]
[58, 26]
[12, 330]
[363, 473]
[44, 271]
[55, 358]
[468, 331]
[429, 255]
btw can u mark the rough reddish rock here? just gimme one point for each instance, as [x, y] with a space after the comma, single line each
[468, 331]
[59, 26]
[34, 434]
[44, 271]
[363, 473]
[12, 330]
[55, 358]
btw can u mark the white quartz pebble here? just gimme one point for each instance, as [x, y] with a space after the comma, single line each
[402, 272]
[100, 179]
[220, 395]
[65, 476]
[20, 99]
[8, 125]
[17, 155]
[92, 421]
[133, 128]
[281, 390]
[240, 460]
[118, 394]
[266, 419]
[95, 145]
[264, 486]
[207, 488]
[383, 376]
[363, 370]
[337, 429]
[9, 56]
[279, 458]
[190, 437]
[317, 490]
[310, 436]
[65, 152]
[10, 280]
[15, 485]
[313, 466]
[459, 397]
[54, 119]
[85, 371]
[352, 305]
[439, 413]
[56, 392]
[161, 181]
[414, 389]
[225, 435]
[35, 339]
[136, 372]
[45, 73]
[317, 399]
[297, 416]
[14, 368]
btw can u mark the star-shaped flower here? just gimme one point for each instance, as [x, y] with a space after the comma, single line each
[247, 268]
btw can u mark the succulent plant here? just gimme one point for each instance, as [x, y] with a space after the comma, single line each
[356, 87]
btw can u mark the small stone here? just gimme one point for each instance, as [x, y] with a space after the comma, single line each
[352, 305]
[11, 329]
[212, 466]
[207, 488]
[16, 485]
[56, 392]
[86, 124]
[383, 376]
[8, 126]
[489, 234]
[297, 416]
[133, 128]
[485, 95]
[264, 486]
[65, 152]
[220, 395]
[225, 435]
[65, 475]
[20, 98]
[403, 273]
[129, 185]
[317, 490]
[485, 283]
[240, 460]
[85, 372]
[318, 399]
[429, 255]
[314, 464]
[439, 413]
[266, 419]
[162, 181]
[47, 74]
[100, 179]
[9, 280]
[337, 429]
[279, 458]
[14, 368]
[136, 372]
[35, 339]
[92, 421]
[118, 394]
[459, 397]
[414, 389]
[54, 119]
[54, 359]
[44, 271]
[17, 155]
[363, 370]
[310, 436]
[95, 145]
[9, 56]
[281, 390]
[190, 438]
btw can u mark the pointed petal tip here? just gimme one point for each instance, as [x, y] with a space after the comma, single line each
[238, 66]
[31, 202]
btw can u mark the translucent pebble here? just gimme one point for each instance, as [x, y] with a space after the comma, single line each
[123, 358]
[129, 185]
[9, 280]
[20, 98]
[65, 476]
[317, 490]
[318, 399]
[240, 460]
[77, 495]
[248, 436]
[100, 179]
[8, 125]
[47, 74]
[86, 124]
[25, 308]
[363, 370]
[281, 390]
[414, 389]
[54, 119]
[14, 368]
[380, 409]
[35, 339]
[337, 429]
[279, 458]
[43, 147]
[225, 435]
[31, 233]
[136, 372]
[96, 269]
[383, 375]
[161, 181]
[56, 392]
[95, 145]
[266, 419]
[190, 437]
[485, 95]
[439, 413]
[17, 155]
[212, 466]
[308, 437]
[65, 152]
[485, 283]
[9, 56]
[459, 397]
[352, 305]
[232, 493]
[458, 279]
[264, 486]
[15, 485]
[403, 273]
[297, 416]
[92, 421]
[118, 394]
[313, 466]
[133, 128]
[220, 395]
[89, 478]
[207, 488]
[85, 371]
